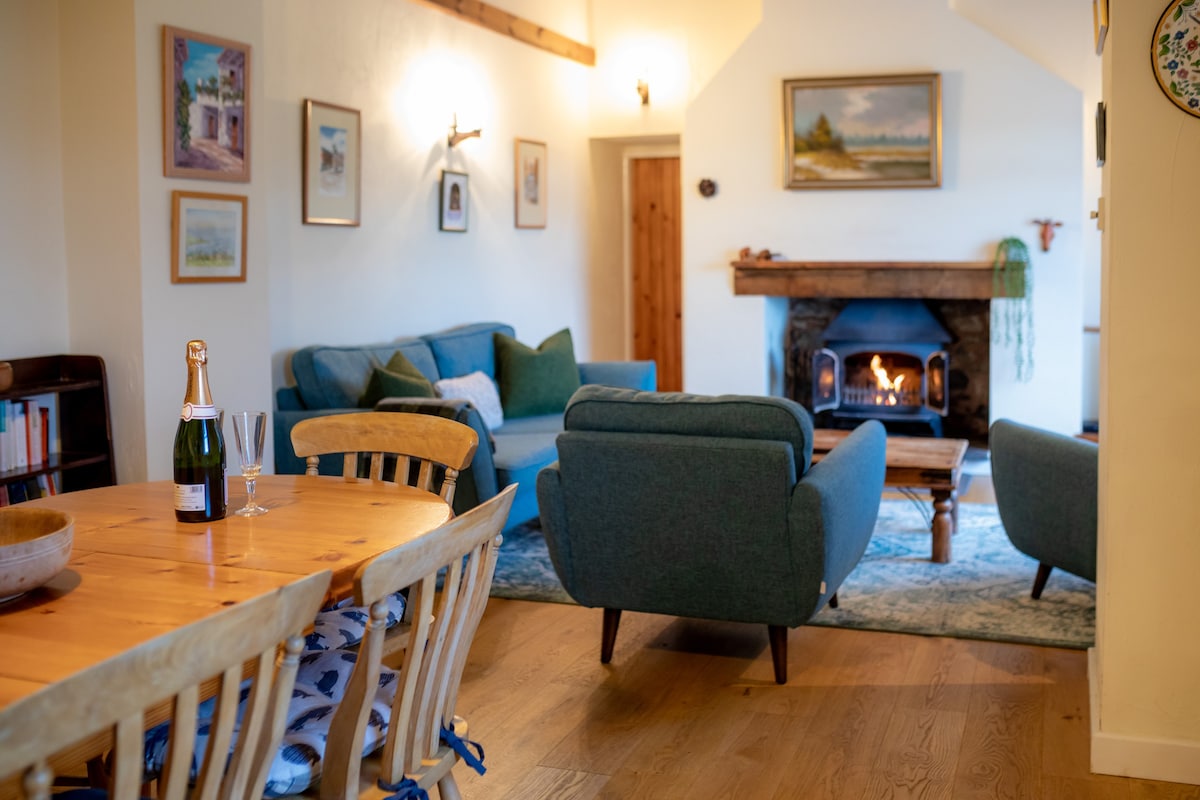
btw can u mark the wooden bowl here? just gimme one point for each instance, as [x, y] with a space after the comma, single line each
[6, 376]
[35, 545]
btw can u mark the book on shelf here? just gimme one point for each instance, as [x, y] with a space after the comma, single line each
[33, 433]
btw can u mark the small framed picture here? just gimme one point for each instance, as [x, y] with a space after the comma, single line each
[208, 237]
[332, 164]
[206, 107]
[453, 215]
[529, 184]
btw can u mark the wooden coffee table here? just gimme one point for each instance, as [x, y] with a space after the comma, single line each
[921, 463]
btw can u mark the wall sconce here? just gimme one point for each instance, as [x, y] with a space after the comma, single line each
[454, 137]
[643, 90]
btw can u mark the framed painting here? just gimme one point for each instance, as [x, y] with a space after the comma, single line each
[529, 184]
[208, 237]
[452, 215]
[206, 107]
[332, 164]
[1099, 24]
[863, 133]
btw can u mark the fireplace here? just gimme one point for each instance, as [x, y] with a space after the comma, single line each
[958, 294]
[883, 359]
[949, 393]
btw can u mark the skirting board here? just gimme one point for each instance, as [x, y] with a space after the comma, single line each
[1137, 756]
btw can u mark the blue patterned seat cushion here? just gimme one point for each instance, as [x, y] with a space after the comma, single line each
[321, 680]
[343, 624]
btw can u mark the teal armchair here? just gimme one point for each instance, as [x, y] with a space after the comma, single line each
[706, 507]
[1047, 496]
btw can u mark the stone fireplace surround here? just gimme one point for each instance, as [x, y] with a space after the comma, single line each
[958, 293]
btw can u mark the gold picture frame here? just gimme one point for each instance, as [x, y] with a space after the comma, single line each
[332, 182]
[530, 199]
[1100, 23]
[206, 106]
[208, 237]
[870, 132]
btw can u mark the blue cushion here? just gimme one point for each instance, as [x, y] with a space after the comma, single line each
[320, 685]
[343, 624]
[520, 450]
[336, 377]
[544, 423]
[466, 349]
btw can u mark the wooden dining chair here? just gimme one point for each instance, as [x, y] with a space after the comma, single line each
[167, 675]
[429, 451]
[416, 747]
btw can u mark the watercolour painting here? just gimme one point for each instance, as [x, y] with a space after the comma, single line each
[865, 132]
[206, 107]
[208, 237]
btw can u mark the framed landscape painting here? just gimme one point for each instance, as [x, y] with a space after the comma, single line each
[529, 190]
[206, 107]
[332, 164]
[866, 132]
[208, 237]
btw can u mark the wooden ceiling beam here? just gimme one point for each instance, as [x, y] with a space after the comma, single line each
[495, 19]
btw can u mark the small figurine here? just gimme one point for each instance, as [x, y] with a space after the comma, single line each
[1047, 232]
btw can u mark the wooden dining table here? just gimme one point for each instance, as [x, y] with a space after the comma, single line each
[135, 572]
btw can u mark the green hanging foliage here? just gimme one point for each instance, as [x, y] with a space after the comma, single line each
[1012, 285]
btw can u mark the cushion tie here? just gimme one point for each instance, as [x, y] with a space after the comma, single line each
[463, 748]
[406, 789]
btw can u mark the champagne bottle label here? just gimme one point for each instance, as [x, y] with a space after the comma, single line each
[192, 411]
[189, 497]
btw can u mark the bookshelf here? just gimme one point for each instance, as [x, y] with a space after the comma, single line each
[79, 434]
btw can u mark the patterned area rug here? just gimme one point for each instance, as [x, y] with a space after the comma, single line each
[982, 594]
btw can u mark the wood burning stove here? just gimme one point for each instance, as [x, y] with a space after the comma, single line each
[884, 360]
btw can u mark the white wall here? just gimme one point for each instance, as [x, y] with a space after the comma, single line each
[1147, 656]
[1011, 151]
[101, 211]
[33, 262]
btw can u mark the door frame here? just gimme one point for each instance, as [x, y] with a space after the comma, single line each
[628, 154]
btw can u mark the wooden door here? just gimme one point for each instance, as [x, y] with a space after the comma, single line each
[657, 301]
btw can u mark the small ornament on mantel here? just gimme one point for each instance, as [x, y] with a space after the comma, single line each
[745, 254]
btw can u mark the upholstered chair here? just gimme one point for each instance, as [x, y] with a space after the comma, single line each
[707, 507]
[1046, 492]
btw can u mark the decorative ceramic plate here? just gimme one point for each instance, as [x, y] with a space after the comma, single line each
[1175, 54]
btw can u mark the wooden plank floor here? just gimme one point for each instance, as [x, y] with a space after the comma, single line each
[688, 709]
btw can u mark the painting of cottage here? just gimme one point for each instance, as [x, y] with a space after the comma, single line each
[206, 106]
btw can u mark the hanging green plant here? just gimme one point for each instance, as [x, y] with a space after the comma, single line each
[1012, 285]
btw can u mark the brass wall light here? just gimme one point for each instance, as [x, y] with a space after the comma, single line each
[643, 90]
[454, 137]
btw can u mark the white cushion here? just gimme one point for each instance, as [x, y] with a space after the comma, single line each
[479, 390]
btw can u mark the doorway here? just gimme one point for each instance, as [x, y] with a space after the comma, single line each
[656, 266]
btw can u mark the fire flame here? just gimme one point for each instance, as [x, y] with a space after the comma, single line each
[885, 383]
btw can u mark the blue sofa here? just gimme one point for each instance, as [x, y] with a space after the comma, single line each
[332, 380]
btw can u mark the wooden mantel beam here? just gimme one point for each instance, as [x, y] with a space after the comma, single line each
[946, 280]
[495, 19]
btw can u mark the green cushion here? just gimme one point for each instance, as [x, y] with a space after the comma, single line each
[534, 382]
[400, 378]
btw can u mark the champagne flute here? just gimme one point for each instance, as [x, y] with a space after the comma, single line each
[249, 429]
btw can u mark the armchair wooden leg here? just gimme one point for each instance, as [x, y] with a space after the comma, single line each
[608, 635]
[1039, 582]
[778, 636]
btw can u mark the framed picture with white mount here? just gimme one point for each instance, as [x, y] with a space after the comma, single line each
[1175, 54]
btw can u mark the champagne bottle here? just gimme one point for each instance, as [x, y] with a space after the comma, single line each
[199, 446]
